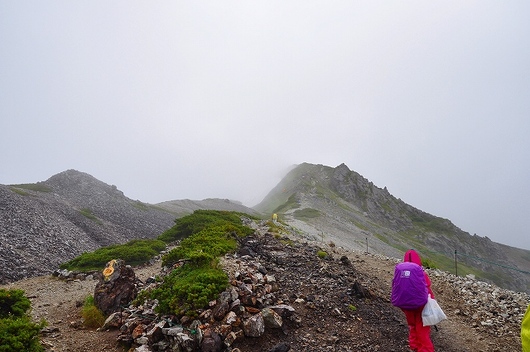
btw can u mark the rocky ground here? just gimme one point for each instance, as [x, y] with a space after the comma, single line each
[341, 303]
[59, 303]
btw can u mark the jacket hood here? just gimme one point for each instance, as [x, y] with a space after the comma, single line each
[412, 256]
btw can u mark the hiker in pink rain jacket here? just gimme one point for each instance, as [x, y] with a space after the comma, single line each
[419, 335]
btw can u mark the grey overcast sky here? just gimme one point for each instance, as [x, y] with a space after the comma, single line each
[218, 99]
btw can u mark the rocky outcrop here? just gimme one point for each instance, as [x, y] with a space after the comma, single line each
[116, 288]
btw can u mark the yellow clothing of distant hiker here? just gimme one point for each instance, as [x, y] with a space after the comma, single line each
[274, 217]
[525, 331]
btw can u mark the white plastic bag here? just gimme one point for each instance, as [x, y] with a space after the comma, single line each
[432, 314]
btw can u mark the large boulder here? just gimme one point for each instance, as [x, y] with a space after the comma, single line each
[116, 287]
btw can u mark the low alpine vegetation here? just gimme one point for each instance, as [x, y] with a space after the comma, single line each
[134, 252]
[189, 288]
[207, 235]
[306, 213]
[38, 187]
[202, 219]
[89, 215]
[322, 254]
[17, 331]
[92, 316]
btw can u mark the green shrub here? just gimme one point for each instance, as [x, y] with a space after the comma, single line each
[201, 248]
[188, 288]
[20, 334]
[17, 331]
[273, 227]
[322, 254]
[429, 264]
[13, 303]
[92, 316]
[134, 252]
[202, 219]
[207, 235]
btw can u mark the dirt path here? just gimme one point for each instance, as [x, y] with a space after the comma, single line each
[58, 302]
[452, 333]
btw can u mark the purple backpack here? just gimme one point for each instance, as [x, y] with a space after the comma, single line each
[409, 288]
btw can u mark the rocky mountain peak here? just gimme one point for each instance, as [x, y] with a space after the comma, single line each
[80, 182]
[342, 169]
[341, 206]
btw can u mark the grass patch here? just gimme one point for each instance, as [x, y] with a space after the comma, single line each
[359, 225]
[87, 213]
[134, 252]
[205, 246]
[273, 227]
[382, 238]
[189, 288]
[20, 191]
[386, 207]
[287, 242]
[38, 187]
[306, 213]
[432, 223]
[428, 263]
[201, 219]
[205, 236]
[291, 203]
[140, 205]
[92, 316]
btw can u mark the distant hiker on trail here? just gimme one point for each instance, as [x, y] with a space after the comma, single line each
[410, 289]
[525, 331]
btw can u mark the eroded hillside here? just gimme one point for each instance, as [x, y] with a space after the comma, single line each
[47, 223]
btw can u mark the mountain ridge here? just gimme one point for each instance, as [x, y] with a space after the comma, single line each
[351, 211]
[73, 212]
